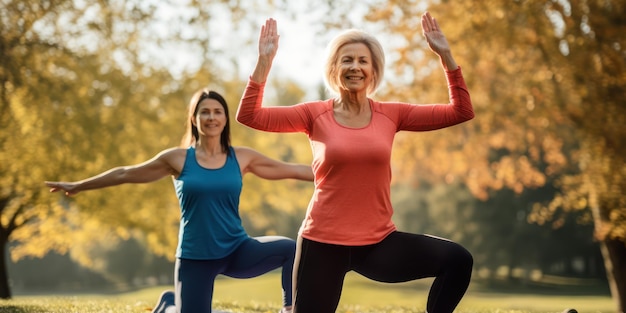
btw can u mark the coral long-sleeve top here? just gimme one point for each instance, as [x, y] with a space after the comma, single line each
[351, 203]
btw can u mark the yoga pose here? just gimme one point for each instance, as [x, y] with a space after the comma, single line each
[348, 225]
[207, 173]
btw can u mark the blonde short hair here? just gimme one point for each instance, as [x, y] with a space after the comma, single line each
[331, 76]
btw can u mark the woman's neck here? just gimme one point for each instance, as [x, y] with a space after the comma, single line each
[354, 103]
[210, 146]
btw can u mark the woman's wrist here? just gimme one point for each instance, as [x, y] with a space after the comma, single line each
[447, 61]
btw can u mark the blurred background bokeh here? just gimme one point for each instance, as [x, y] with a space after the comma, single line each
[533, 186]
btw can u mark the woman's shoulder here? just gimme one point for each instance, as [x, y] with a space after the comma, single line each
[318, 105]
[243, 150]
[245, 156]
[316, 108]
[392, 110]
[173, 153]
[248, 154]
[390, 106]
[174, 158]
[175, 150]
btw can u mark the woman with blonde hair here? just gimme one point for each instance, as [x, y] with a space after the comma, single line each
[348, 225]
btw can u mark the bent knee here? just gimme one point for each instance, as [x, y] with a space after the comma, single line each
[463, 258]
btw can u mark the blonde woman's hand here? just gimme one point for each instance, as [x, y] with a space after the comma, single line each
[268, 40]
[268, 45]
[437, 42]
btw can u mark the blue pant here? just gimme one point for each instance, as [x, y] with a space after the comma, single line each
[256, 256]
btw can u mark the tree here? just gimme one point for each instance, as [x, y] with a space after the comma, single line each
[546, 78]
[589, 51]
[73, 93]
[22, 88]
[85, 86]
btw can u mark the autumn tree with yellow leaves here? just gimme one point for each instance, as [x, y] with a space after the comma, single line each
[67, 110]
[77, 96]
[82, 91]
[548, 80]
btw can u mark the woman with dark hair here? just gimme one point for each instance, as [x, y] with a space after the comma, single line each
[207, 173]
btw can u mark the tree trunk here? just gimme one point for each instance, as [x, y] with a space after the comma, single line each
[614, 252]
[5, 290]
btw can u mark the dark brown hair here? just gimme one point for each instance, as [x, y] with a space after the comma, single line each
[191, 136]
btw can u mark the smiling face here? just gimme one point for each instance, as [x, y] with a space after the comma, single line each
[338, 46]
[210, 118]
[355, 66]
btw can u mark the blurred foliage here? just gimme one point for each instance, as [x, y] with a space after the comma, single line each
[547, 79]
[87, 85]
[82, 89]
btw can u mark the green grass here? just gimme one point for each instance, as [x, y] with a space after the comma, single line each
[360, 295]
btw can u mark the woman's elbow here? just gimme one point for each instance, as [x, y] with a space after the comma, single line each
[244, 120]
[239, 117]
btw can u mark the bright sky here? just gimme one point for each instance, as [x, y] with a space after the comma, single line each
[300, 54]
[301, 49]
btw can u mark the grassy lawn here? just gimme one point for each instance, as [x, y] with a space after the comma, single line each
[360, 295]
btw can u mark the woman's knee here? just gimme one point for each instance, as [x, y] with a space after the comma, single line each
[462, 257]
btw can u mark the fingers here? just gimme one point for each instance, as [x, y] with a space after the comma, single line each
[269, 29]
[272, 27]
[61, 186]
[429, 23]
[425, 24]
[268, 39]
[54, 187]
[436, 24]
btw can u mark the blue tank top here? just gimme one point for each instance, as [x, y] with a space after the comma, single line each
[210, 225]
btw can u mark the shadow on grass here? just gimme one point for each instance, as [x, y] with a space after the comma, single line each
[572, 287]
[564, 286]
[21, 309]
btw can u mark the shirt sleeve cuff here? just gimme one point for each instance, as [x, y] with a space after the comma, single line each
[254, 83]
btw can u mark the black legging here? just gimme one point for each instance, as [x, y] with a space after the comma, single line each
[398, 258]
